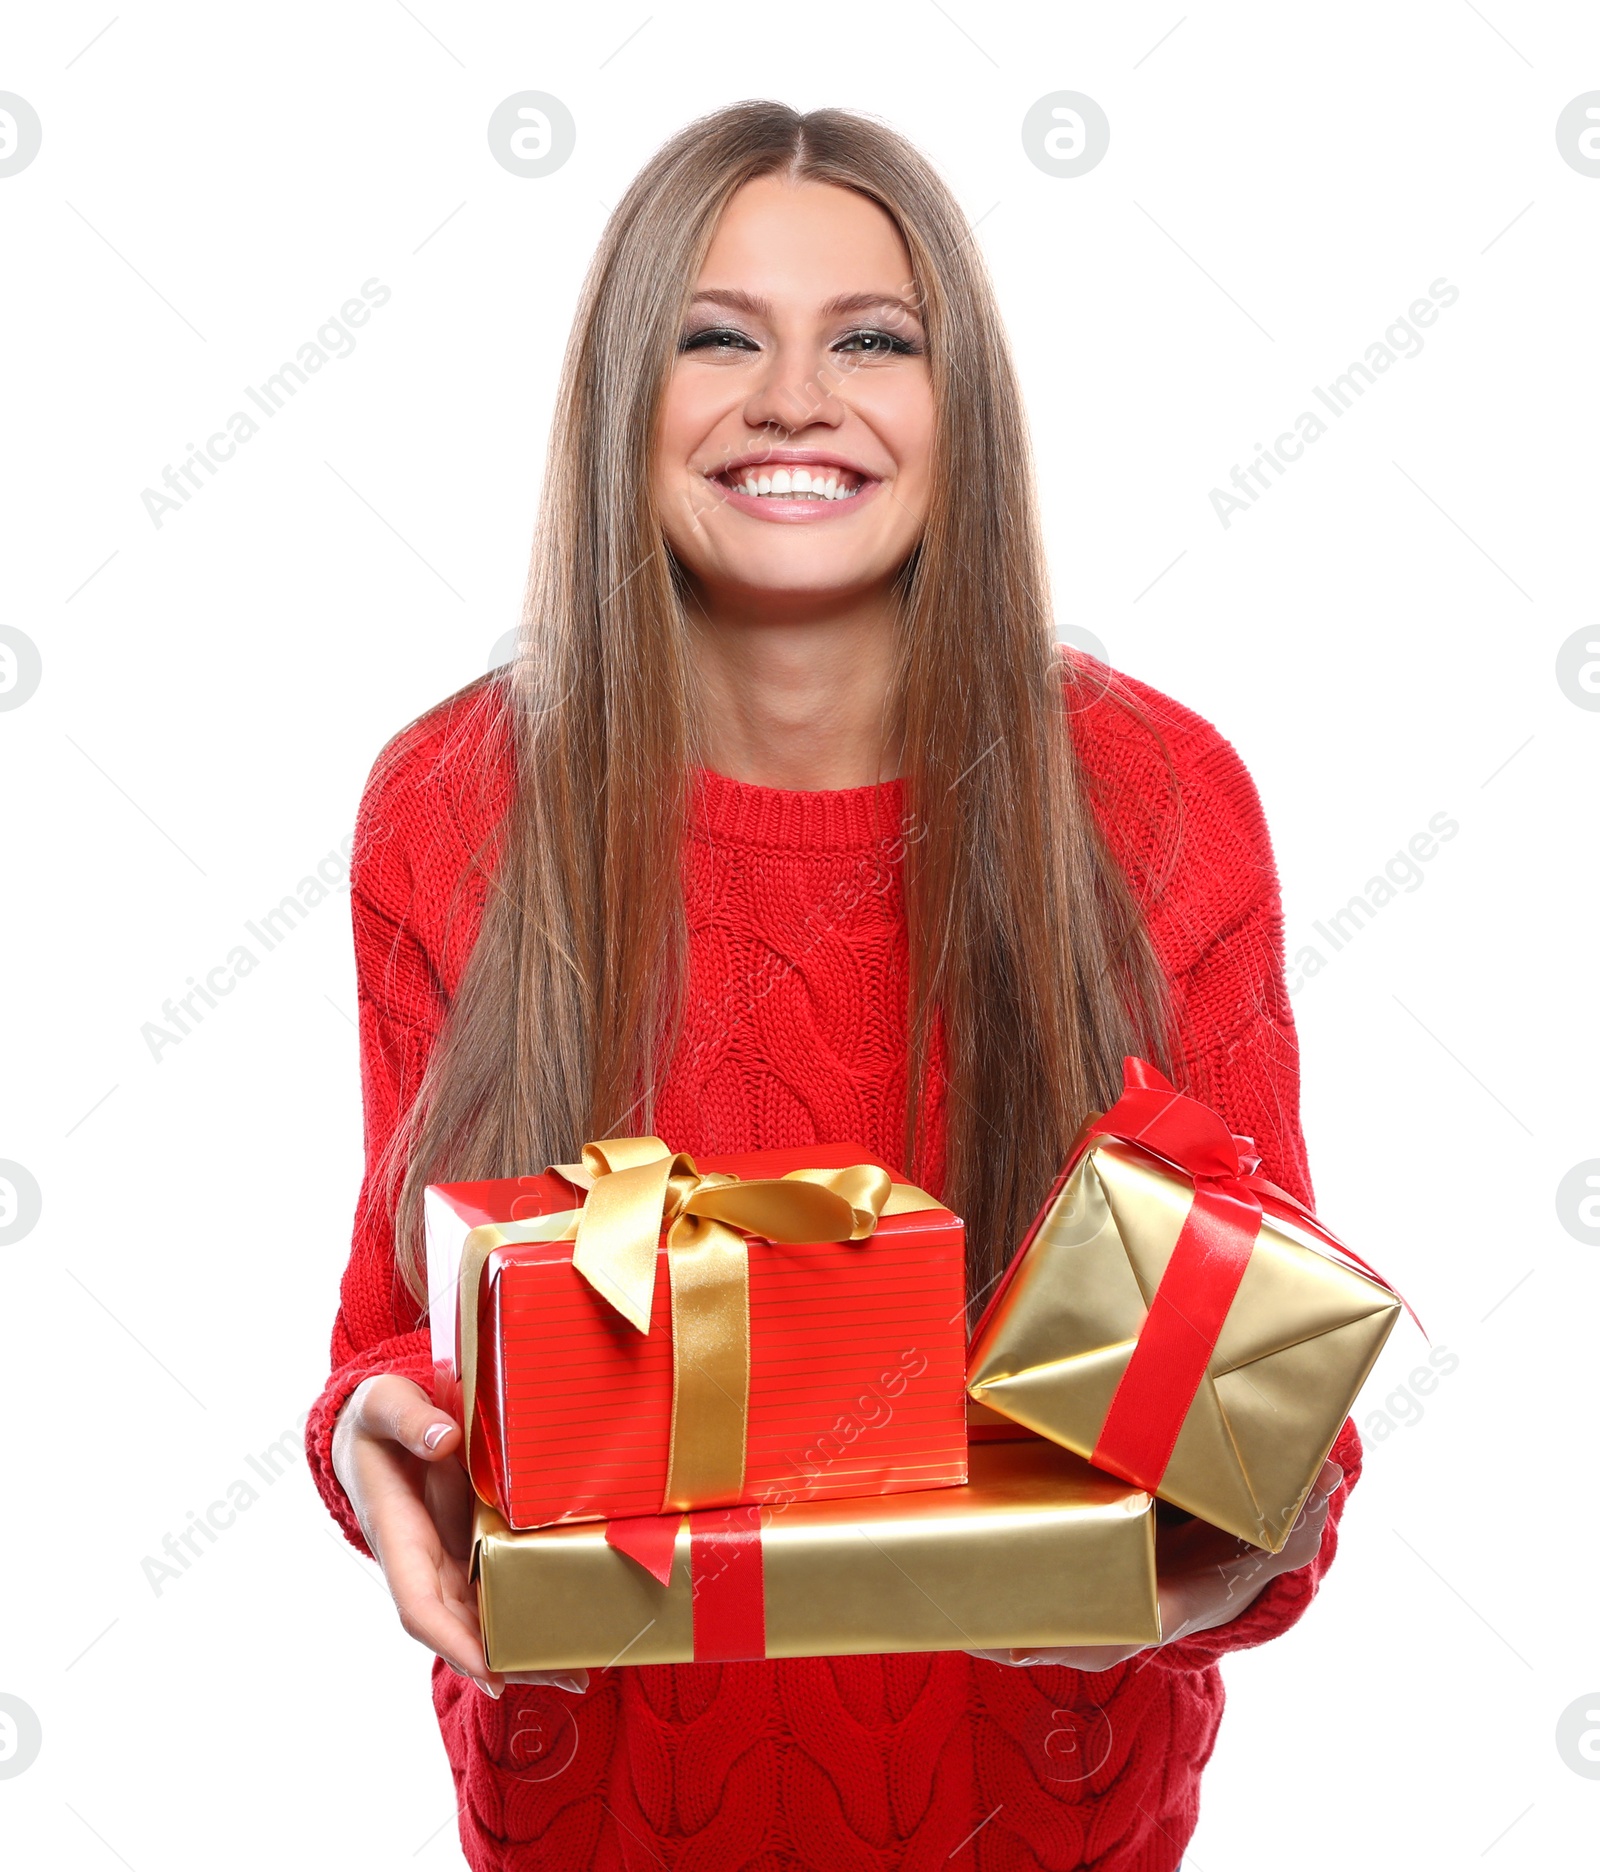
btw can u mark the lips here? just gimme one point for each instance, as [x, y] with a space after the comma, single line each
[804, 477]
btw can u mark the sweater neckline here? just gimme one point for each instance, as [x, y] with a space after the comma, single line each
[739, 812]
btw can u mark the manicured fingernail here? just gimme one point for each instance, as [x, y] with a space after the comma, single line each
[568, 1683]
[435, 1434]
[487, 1689]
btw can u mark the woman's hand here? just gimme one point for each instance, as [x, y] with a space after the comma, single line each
[1203, 1578]
[393, 1451]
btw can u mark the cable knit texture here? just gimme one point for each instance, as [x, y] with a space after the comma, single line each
[796, 1034]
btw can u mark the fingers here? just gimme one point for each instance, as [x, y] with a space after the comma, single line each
[492, 1686]
[448, 1497]
[430, 1621]
[1203, 1588]
[1071, 1657]
[420, 1532]
[1305, 1539]
[1084, 1657]
[427, 1613]
[577, 1681]
[1330, 1479]
[433, 1597]
[401, 1412]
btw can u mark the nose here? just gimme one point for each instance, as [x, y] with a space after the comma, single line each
[797, 388]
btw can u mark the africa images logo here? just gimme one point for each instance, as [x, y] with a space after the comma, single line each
[1401, 339]
[333, 339]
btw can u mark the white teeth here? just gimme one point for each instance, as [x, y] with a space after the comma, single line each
[793, 483]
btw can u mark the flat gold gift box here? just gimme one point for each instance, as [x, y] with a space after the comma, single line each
[1300, 1337]
[1037, 1549]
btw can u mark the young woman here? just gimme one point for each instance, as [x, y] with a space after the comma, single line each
[791, 825]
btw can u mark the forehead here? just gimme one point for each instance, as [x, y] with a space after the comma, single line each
[802, 240]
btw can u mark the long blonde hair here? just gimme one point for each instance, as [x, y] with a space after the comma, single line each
[1026, 943]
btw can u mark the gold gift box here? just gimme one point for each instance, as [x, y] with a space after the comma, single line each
[1303, 1332]
[1037, 1549]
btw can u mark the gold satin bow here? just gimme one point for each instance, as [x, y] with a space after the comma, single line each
[636, 1187]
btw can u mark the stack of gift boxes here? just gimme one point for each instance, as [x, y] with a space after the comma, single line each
[727, 1407]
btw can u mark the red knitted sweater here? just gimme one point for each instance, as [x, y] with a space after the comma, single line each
[934, 1762]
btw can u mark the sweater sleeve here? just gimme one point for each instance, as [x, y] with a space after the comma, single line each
[1238, 1053]
[401, 1004]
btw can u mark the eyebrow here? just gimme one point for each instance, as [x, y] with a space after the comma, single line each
[739, 301]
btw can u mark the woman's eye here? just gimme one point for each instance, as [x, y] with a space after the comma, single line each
[715, 338]
[878, 343]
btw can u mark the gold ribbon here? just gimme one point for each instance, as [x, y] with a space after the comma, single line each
[635, 1188]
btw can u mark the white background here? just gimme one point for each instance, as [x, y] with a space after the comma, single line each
[1377, 635]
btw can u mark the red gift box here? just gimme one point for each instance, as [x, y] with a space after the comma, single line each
[855, 1355]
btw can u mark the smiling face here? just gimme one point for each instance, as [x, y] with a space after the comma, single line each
[793, 452]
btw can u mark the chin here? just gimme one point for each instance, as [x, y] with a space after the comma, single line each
[783, 578]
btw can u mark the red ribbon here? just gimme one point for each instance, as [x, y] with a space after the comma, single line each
[726, 1577]
[1180, 1332]
[730, 1598]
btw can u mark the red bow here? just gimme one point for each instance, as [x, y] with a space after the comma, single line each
[1180, 1332]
